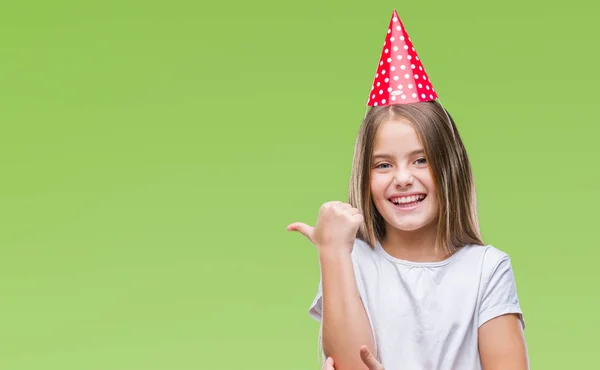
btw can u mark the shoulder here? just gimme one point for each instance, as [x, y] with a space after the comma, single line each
[487, 255]
[361, 247]
[363, 255]
[485, 261]
[495, 266]
[494, 258]
[362, 251]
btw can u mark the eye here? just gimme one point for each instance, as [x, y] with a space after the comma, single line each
[422, 160]
[382, 165]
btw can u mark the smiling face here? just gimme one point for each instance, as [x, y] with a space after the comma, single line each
[402, 187]
[446, 214]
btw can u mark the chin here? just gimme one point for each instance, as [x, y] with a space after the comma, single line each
[409, 226]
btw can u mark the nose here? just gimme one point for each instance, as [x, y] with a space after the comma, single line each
[403, 177]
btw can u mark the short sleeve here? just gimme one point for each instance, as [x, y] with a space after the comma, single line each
[500, 294]
[316, 308]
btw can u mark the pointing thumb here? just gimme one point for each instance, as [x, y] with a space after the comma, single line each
[303, 229]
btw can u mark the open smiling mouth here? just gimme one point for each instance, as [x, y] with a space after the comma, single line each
[407, 202]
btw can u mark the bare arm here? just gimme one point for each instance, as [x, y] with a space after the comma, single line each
[345, 323]
[344, 320]
[502, 344]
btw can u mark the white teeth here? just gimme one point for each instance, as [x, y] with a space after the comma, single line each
[408, 199]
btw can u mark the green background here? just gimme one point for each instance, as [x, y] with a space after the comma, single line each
[152, 155]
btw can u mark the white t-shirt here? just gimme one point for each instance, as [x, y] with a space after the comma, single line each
[426, 315]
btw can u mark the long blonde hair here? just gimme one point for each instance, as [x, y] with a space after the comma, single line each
[458, 223]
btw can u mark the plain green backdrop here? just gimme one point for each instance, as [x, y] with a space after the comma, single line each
[153, 153]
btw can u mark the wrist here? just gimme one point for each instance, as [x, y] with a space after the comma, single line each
[334, 253]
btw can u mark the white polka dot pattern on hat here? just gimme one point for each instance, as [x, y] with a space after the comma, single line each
[392, 68]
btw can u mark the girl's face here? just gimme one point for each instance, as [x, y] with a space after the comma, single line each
[402, 187]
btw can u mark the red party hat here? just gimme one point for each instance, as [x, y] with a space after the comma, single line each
[400, 77]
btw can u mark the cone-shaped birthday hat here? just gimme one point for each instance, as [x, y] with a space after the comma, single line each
[400, 77]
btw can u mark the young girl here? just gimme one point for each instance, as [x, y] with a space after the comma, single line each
[404, 271]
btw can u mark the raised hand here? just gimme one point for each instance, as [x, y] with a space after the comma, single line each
[336, 227]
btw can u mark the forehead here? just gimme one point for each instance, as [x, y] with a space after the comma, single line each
[397, 136]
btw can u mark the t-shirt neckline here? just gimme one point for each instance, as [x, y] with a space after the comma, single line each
[380, 250]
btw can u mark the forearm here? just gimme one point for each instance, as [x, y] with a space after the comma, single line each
[345, 323]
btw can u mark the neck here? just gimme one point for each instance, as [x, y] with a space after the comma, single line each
[416, 246]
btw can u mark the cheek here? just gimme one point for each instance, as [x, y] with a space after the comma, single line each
[378, 186]
[434, 201]
[427, 181]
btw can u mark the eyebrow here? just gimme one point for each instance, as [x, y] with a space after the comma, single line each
[414, 152]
